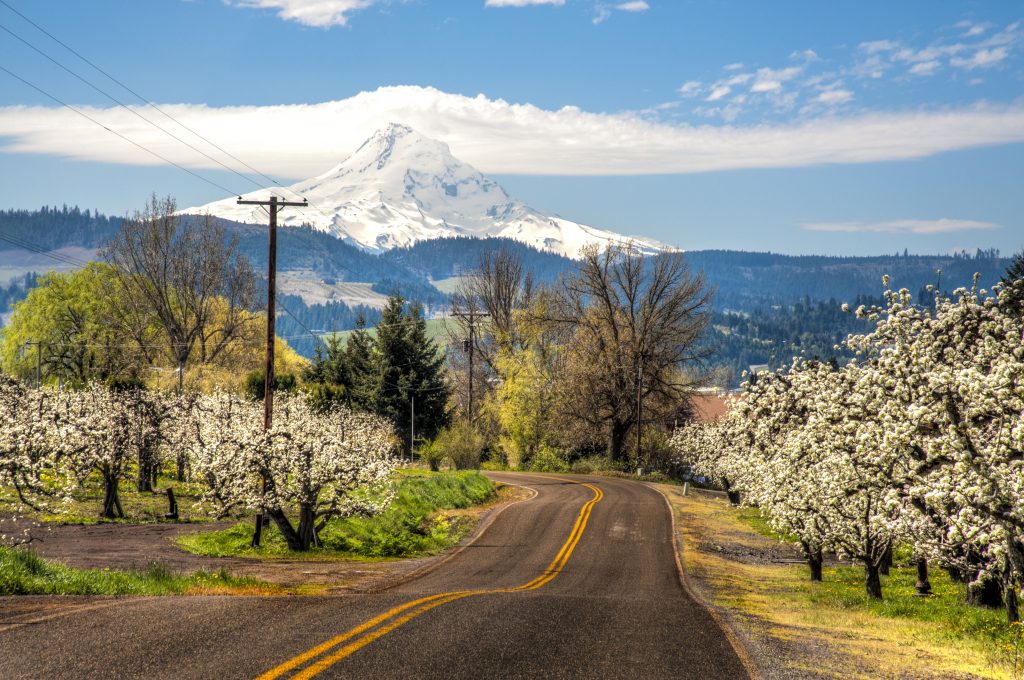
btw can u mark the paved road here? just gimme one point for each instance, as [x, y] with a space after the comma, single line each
[579, 582]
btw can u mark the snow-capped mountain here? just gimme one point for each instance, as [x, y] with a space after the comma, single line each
[400, 187]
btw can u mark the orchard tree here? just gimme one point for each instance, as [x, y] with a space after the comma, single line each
[326, 462]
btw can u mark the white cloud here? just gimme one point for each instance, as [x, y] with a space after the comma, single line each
[633, 6]
[940, 226]
[834, 97]
[983, 58]
[925, 68]
[733, 67]
[876, 46]
[522, 3]
[690, 88]
[502, 137]
[771, 80]
[719, 92]
[971, 29]
[318, 13]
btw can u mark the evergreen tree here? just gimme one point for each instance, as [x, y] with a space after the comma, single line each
[359, 367]
[1014, 279]
[407, 365]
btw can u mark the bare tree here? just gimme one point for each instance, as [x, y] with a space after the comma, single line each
[187, 290]
[489, 299]
[636, 323]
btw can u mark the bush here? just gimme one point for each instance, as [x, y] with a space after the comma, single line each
[591, 464]
[549, 459]
[432, 454]
[461, 444]
[253, 389]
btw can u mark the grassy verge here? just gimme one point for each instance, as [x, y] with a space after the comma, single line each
[832, 629]
[22, 572]
[430, 513]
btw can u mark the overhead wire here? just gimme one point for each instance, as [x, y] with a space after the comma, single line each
[115, 132]
[152, 105]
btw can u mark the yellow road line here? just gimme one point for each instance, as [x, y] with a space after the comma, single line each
[425, 604]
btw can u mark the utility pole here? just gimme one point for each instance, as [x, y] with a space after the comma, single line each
[470, 346]
[639, 405]
[412, 425]
[268, 373]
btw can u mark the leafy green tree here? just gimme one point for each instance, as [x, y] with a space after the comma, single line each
[73, 317]
[407, 365]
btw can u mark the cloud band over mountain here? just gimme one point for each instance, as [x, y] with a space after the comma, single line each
[501, 137]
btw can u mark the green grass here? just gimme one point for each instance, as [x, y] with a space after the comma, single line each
[23, 572]
[423, 519]
[87, 501]
[437, 330]
[843, 588]
[448, 285]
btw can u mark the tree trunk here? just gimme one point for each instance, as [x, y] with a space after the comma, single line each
[617, 442]
[291, 536]
[730, 493]
[307, 526]
[923, 585]
[1010, 599]
[144, 480]
[814, 560]
[873, 580]
[111, 497]
[985, 594]
[886, 562]
[181, 463]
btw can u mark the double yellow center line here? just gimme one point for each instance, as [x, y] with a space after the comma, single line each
[335, 649]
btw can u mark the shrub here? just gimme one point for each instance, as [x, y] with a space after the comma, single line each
[461, 444]
[549, 459]
[253, 388]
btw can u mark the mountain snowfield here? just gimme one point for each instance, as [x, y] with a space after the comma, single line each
[401, 187]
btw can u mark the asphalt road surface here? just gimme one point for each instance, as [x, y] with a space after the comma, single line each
[578, 582]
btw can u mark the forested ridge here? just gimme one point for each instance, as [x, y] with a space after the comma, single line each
[767, 307]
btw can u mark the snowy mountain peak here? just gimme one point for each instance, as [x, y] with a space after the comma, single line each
[400, 187]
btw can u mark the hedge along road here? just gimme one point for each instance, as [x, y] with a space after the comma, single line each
[579, 582]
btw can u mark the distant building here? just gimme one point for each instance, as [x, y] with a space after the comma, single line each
[754, 369]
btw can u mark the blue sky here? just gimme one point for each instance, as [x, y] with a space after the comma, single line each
[799, 127]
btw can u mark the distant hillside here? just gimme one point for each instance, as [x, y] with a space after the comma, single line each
[746, 281]
[768, 306]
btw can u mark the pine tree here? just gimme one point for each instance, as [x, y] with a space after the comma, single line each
[1014, 280]
[359, 366]
[407, 365]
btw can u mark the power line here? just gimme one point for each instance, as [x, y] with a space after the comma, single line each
[136, 94]
[115, 132]
[128, 108]
[152, 105]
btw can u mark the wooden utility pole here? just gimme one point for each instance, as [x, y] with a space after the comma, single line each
[268, 375]
[272, 206]
[412, 425]
[639, 406]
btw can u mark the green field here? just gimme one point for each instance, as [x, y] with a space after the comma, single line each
[437, 330]
[449, 285]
